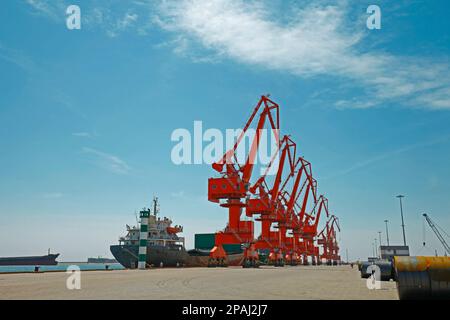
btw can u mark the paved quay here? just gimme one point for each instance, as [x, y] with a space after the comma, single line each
[300, 282]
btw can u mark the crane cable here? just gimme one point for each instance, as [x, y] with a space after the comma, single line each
[424, 231]
[423, 247]
[448, 236]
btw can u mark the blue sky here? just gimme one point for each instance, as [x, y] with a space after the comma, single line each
[86, 115]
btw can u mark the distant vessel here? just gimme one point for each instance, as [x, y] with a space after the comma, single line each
[101, 260]
[48, 260]
[164, 246]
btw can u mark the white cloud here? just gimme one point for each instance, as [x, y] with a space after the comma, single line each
[54, 9]
[97, 14]
[121, 24]
[81, 134]
[389, 154]
[178, 195]
[316, 41]
[310, 40]
[127, 20]
[18, 58]
[109, 161]
[53, 195]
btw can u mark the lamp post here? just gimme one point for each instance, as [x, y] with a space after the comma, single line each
[387, 231]
[376, 247]
[400, 197]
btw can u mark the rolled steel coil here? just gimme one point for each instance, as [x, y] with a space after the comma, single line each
[423, 277]
[386, 269]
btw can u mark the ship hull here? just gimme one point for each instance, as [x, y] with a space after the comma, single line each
[101, 260]
[127, 256]
[48, 260]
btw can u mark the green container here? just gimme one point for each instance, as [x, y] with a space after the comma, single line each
[232, 248]
[205, 241]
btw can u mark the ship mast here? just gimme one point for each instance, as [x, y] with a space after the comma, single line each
[155, 206]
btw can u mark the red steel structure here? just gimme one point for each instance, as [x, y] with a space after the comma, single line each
[309, 231]
[233, 186]
[303, 185]
[328, 240]
[287, 208]
[265, 203]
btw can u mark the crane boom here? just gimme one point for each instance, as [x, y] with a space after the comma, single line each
[436, 231]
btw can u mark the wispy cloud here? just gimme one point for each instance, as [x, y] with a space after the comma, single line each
[53, 195]
[82, 134]
[178, 195]
[18, 58]
[387, 155]
[53, 9]
[121, 24]
[108, 161]
[113, 17]
[310, 41]
[317, 40]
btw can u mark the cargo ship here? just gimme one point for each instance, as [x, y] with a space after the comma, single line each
[165, 248]
[47, 260]
[101, 260]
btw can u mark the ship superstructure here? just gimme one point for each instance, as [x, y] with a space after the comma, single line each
[160, 230]
[164, 246]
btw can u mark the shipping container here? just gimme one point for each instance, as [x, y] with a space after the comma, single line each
[205, 241]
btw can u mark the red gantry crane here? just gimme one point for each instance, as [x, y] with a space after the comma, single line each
[265, 202]
[233, 186]
[309, 230]
[309, 187]
[303, 185]
[328, 240]
[287, 207]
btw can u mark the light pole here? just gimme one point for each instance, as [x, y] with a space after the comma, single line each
[376, 247]
[379, 235]
[387, 231]
[401, 213]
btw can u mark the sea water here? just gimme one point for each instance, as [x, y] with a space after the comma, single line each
[62, 266]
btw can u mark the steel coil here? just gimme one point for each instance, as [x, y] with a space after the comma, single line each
[423, 277]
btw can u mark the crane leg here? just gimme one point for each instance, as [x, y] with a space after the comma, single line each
[217, 257]
[271, 259]
[305, 260]
[279, 259]
[294, 259]
[251, 257]
[319, 261]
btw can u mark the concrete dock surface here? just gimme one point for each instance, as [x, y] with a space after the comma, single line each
[267, 282]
